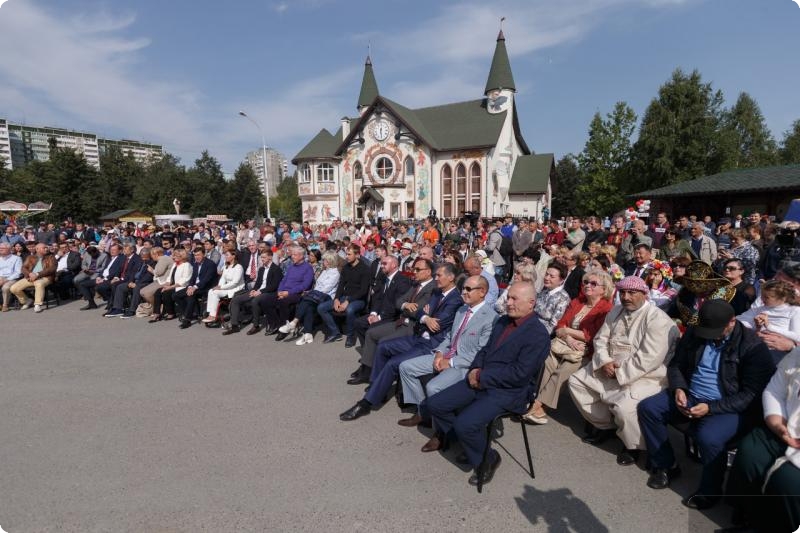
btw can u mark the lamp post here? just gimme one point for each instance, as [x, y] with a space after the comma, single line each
[264, 156]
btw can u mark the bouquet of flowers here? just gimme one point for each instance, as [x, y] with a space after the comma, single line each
[616, 272]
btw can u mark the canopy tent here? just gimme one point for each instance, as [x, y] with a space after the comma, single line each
[793, 213]
[13, 210]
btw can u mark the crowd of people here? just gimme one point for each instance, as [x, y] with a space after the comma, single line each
[645, 325]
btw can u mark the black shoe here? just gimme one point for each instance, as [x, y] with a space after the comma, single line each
[627, 457]
[253, 330]
[280, 336]
[332, 338]
[90, 305]
[156, 318]
[350, 342]
[270, 331]
[184, 324]
[700, 502]
[488, 471]
[660, 478]
[213, 325]
[128, 315]
[113, 313]
[358, 410]
[357, 371]
[359, 379]
[462, 459]
[231, 330]
[598, 436]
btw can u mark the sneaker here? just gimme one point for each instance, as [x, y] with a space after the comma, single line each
[37, 308]
[289, 327]
[307, 338]
[128, 315]
[114, 313]
[26, 306]
[209, 319]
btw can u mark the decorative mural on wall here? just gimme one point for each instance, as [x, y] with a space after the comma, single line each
[319, 212]
[347, 184]
[326, 188]
[374, 155]
[422, 197]
[305, 188]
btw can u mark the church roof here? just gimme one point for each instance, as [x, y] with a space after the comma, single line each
[500, 76]
[369, 86]
[532, 174]
[323, 145]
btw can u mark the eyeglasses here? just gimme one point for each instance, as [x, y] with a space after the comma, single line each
[592, 284]
[469, 289]
[420, 269]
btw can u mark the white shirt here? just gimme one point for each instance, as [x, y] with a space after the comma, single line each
[107, 270]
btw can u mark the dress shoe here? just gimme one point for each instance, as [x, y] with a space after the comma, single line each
[358, 410]
[184, 324]
[357, 371]
[360, 378]
[433, 445]
[627, 457]
[660, 478]
[213, 325]
[128, 315]
[350, 342]
[411, 421]
[270, 331]
[90, 305]
[598, 436]
[280, 336]
[253, 330]
[488, 471]
[332, 338]
[169, 317]
[231, 330]
[700, 502]
[156, 318]
[462, 459]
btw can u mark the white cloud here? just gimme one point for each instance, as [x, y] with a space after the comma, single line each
[281, 7]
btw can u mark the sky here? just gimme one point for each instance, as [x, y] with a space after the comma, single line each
[178, 72]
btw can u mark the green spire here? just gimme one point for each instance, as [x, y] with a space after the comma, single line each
[369, 87]
[500, 76]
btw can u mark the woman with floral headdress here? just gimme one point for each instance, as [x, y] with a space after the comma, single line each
[658, 277]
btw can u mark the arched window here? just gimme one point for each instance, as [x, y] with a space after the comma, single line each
[305, 173]
[408, 167]
[447, 191]
[358, 171]
[461, 190]
[324, 172]
[475, 187]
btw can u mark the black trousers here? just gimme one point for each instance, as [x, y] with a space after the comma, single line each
[163, 302]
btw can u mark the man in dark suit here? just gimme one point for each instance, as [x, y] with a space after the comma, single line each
[406, 306]
[266, 283]
[502, 378]
[203, 278]
[248, 258]
[377, 276]
[143, 277]
[109, 276]
[69, 264]
[638, 266]
[127, 274]
[384, 298]
[434, 322]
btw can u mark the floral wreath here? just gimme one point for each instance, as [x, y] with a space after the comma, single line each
[663, 266]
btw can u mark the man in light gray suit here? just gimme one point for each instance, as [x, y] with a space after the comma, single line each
[472, 327]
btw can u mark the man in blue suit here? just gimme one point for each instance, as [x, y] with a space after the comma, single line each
[433, 323]
[131, 265]
[502, 378]
[203, 278]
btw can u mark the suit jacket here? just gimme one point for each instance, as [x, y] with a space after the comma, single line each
[383, 301]
[208, 275]
[442, 309]
[510, 371]
[143, 276]
[626, 248]
[421, 300]
[274, 277]
[134, 262]
[376, 277]
[474, 336]
[244, 260]
[115, 269]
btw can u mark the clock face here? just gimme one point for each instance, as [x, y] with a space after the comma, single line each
[381, 130]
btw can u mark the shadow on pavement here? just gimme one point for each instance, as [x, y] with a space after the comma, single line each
[559, 510]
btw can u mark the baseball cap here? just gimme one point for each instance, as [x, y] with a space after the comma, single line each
[714, 317]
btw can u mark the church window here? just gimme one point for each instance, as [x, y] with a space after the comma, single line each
[358, 171]
[461, 190]
[409, 168]
[325, 172]
[475, 187]
[447, 191]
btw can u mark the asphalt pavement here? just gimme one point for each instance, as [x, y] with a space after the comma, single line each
[113, 425]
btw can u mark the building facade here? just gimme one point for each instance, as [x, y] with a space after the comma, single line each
[276, 168]
[406, 163]
[21, 144]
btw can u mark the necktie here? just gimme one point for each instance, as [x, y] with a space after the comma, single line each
[124, 268]
[638, 272]
[454, 344]
[252, 266]
[416, 293]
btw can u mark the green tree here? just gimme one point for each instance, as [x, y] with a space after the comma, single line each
[566, 183]
[206, 187]
[163, 180]
[20, 185]
[246, 199]
[118, 174]
[745, 140]
[70, 183]
[5, 178]
[604, 161]
[286, 204]
[678, 137]
[790, 146]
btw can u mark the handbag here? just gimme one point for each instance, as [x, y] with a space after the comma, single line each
[316, 296]
[561, 350]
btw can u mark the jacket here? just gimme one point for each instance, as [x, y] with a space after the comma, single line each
[745, 368]
[590, 324]
[49, 266]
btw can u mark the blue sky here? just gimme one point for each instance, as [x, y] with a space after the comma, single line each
[177, 72]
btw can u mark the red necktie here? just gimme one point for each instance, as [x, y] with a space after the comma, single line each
[124, 268]
[453, 345]
[252, 266]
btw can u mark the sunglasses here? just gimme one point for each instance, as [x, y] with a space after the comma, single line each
[729, 268]
[469, 289]
[420, 269]
[590, 283]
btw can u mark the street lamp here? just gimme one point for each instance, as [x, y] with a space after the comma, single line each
[264, 156]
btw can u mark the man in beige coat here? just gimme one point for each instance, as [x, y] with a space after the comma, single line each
[631, 352]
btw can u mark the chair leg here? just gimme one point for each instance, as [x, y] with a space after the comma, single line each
[482, 466]
[527, 448]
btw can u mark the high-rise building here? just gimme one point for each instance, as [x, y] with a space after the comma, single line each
[20, 144]
[276, 168]
[141, 151]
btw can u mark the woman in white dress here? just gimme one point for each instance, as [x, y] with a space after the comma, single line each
[230, 282]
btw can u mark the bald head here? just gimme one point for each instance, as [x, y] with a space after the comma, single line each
[521, 300]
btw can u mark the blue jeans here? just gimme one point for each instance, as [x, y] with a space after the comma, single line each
[325, 310]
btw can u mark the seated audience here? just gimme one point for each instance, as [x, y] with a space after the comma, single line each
[230, 282]
[350, 298]
[10, 271]
[38, 271]
[266, 282]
